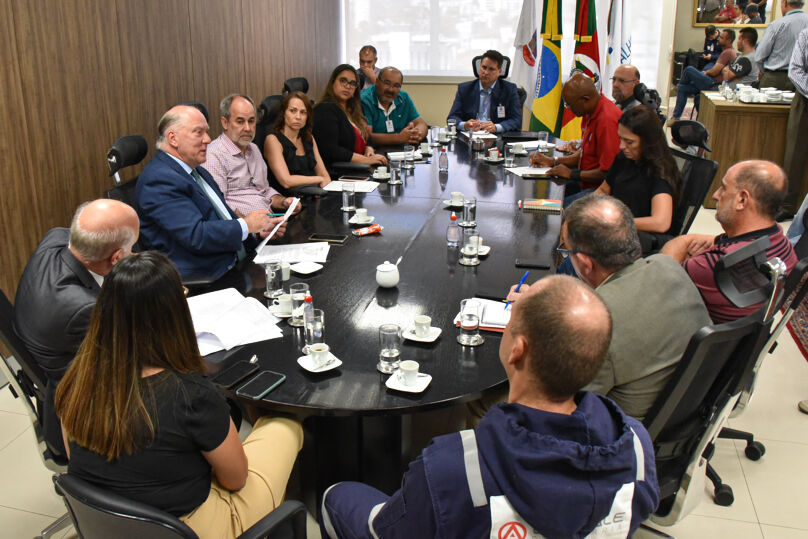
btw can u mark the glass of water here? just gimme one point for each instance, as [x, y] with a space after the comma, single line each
[544, 136]
[298, 291]
[508, 151]
[314, 320]
[409, 156]
[272, 271]
[451, 126]
[469, 212]
[470, 313]
[389, 348]
[348, 196]
[433, 135]
[470, 247]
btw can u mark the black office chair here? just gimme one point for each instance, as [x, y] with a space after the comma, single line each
[506, 66]
[522, 94]
[690, 134]
[27, 382]
[299, 84]
[125, 152]
[801, 247]
[99, 514]
[199, 106]
[689, 413]
[268, 111]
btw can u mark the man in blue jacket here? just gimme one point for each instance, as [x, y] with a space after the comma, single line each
[488, 103]
[182, 211]
[551, 462]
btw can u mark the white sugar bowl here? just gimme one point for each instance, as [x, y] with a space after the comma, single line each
[387, 274]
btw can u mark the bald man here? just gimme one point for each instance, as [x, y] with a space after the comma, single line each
[59, 286]
[747, 202]
[599, 142]
[554, 459]
[625, 78]
[182, 211]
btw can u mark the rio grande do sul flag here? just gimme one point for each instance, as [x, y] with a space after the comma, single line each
[586, 58]
[547, 108]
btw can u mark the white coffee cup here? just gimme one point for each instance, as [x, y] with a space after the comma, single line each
[361, 214]
[283, 302]
[457, 198]
[286, 270]
[519, 148]
[493, 153]
[424, 147]
[319, 354]
[408, 372]
[381, 171]
[422, 325]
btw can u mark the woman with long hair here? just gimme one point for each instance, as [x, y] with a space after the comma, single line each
[291, 151]
[644, 175]
[339, 123]
[140, 418]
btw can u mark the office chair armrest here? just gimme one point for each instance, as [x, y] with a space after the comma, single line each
[307, 191]
[347, 166]
[290, 511]
[197, 280]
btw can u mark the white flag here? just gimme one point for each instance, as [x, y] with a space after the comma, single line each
[619, 51]
[527, 45]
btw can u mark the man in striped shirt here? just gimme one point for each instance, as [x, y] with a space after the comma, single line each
[747, 202]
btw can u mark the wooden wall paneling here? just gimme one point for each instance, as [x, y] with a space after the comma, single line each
[217, 54]
[263, 47]
[155, 44]
[327, 40]
[299, 46]
[19, 210]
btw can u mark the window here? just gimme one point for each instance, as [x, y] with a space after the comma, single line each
[429, 37]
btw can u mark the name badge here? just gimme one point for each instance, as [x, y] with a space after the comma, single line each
[389, 124]
[501, 111]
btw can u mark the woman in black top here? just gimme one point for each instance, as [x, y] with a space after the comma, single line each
[139, 417]
[644, 175]
[339, 124]
[291, 151]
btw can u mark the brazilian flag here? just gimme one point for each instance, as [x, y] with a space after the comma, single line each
[547, 110]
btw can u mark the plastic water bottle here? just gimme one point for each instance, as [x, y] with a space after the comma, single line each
[443, 161]
[308, 307]
[452, 231]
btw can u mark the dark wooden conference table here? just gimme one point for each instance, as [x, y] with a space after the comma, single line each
[415, 218]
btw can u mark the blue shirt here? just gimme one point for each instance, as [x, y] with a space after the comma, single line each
[402, 111]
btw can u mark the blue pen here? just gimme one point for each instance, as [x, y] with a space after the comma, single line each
[521, 282]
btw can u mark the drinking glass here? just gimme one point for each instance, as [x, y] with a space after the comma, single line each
[299, 291]
[314, 320]
[469, 212]
[508, 151]
[348, 196]
[409, 157]
[543, 138]
[470, 313]
[470, 247]
[389, 348]
[273, 273]
[433, 135]
[451, 125]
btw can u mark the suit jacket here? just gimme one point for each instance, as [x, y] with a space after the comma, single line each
[55, 298]
[467, 103]
[178, 219]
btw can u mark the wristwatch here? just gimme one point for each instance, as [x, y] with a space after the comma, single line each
[555, 161]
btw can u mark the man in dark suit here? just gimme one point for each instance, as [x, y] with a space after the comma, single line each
[59, 286]
[182, 211]
[488, 103]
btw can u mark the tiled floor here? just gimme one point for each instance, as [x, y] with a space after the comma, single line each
[769, 494]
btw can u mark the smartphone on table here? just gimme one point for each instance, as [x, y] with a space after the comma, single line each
[262, 383]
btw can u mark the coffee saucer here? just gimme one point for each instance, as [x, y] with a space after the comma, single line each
[395, 382]
[519, 154]
[308, 363]
[494, 160]
[482, 251]
[304, 268]
[379, 177]
[450, 203]
[432, 336]
[356, 221]
[274, 310]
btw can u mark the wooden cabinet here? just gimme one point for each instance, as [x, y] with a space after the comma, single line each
[741, 131]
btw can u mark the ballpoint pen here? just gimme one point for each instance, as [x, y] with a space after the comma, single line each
[521, 282]
[275, 215]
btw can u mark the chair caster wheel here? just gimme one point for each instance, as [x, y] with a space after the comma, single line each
[723, 495]
[754, 451]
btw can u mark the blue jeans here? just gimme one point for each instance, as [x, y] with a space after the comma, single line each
[693, 81]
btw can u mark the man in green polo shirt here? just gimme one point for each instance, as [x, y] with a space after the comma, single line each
[390, 111]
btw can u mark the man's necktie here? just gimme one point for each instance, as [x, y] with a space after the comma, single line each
[242, 253]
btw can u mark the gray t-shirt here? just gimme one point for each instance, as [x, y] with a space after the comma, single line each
[745, 69]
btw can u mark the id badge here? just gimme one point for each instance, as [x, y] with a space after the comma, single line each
[389, 124]
[501, 111]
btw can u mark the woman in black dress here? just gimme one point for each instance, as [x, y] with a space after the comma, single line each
[291, 151]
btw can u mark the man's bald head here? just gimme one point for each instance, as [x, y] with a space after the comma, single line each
[183, 133]
[580, 94]
[765, 181]
[602, 228]
[102, 228]
[625, 78]
[568, 331]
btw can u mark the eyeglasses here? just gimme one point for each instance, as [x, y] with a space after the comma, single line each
[346, 82]
[623, 81]
[564, 252]
[397, 86]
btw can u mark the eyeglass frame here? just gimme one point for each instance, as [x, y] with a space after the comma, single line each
[623, 81]
[389, 84]
[345, 82]
[563, 252]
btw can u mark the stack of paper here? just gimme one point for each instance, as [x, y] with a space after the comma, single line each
[529, 172]
[359, 187]
[495, 316]
[401, 156]
[224, 319]
[316, 251]
[483, 136]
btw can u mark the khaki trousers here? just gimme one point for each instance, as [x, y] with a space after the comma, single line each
[271, 450]
[776, 79]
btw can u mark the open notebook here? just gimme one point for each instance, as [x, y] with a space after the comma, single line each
[495, 316]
